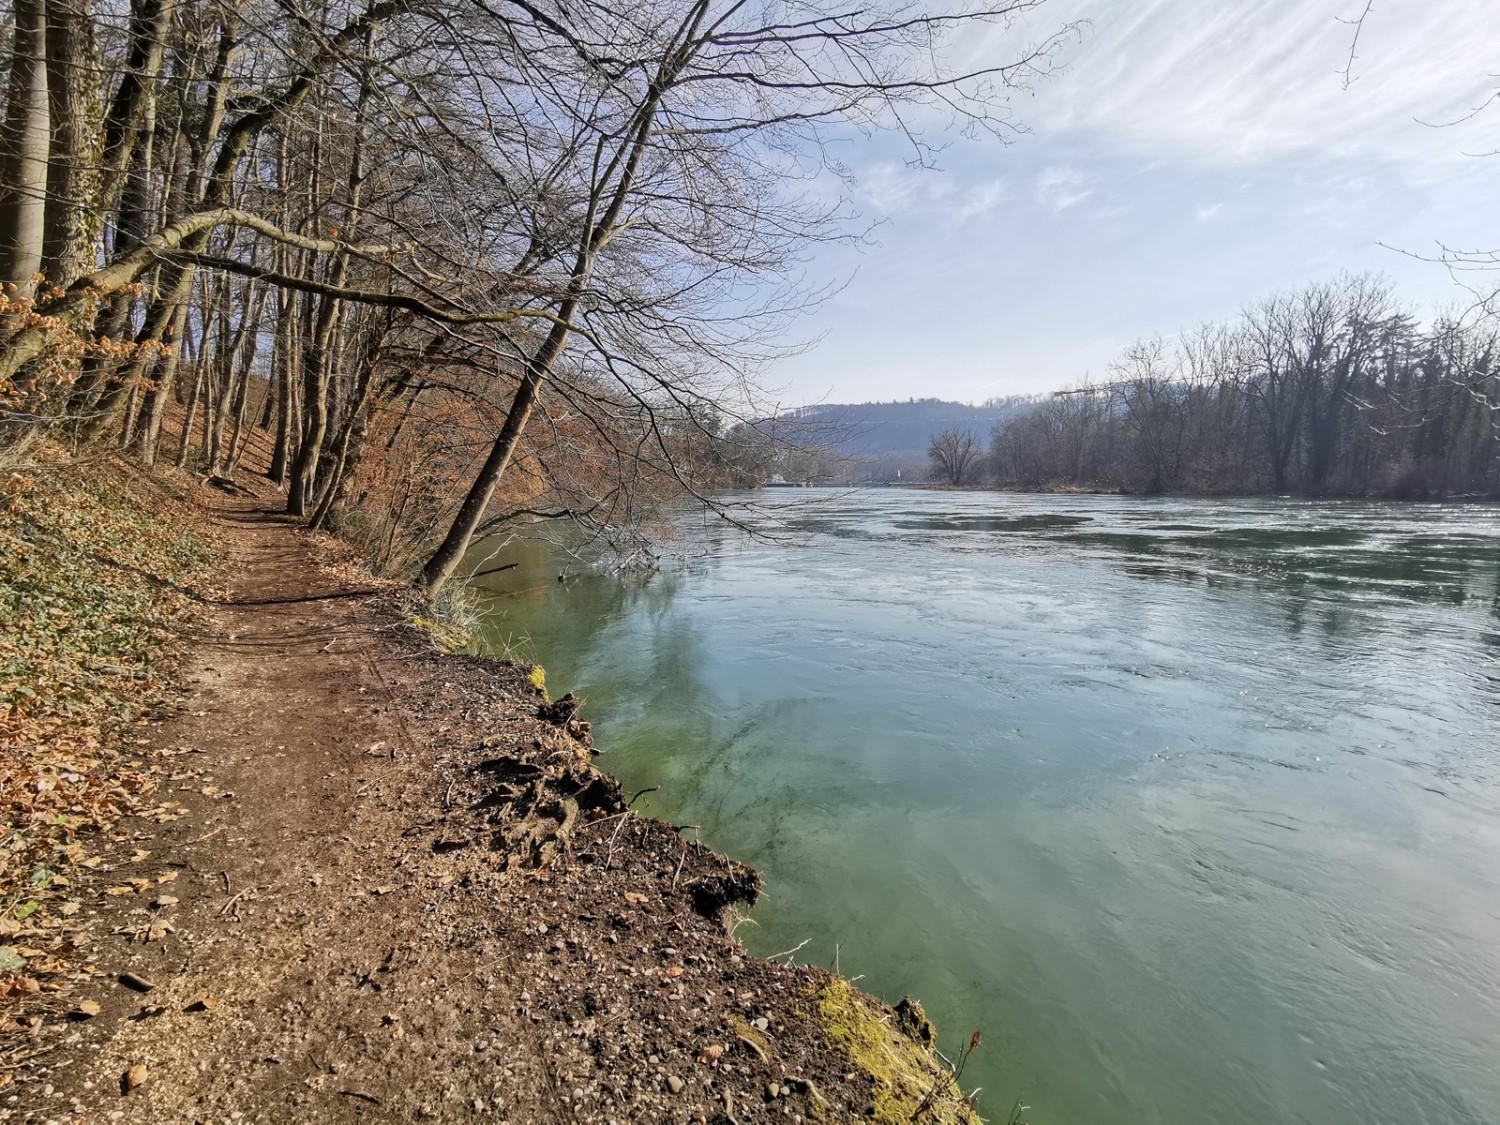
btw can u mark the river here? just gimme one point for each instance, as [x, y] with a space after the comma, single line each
[1191, 806]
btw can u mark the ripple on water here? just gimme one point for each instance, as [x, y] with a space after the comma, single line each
[1191, 806]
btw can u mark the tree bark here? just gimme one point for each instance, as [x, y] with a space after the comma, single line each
[70, 244]
[25, 144]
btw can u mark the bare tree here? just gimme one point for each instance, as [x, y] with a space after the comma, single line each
[956, 456]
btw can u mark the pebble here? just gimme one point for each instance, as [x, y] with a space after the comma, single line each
[675, 1084]
[762, 1024]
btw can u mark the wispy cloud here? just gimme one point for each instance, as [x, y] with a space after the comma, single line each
[1233, 81]
[982, 198]
[891, 188]
[1060, 188]
[1208, 212]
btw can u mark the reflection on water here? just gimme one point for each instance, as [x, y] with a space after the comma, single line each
[1193, 807]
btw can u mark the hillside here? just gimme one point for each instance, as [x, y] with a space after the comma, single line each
[890, 439]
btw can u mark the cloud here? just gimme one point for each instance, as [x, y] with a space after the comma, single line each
[890, 187]
[1060, 188]
[1248, 81]
[981, 198]
[1208, 212]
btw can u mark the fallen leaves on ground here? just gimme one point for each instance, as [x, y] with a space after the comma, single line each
[96, 565]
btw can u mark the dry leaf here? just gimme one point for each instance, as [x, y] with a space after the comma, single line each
[634, 896]
[711, 1053]
[136, 1075]
[88, 1009]
[161, 901]
[119, 890]
[675, 971]
[169, 877]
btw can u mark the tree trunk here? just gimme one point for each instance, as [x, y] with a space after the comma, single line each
[450, 552]
[25, 143]
[192, 410]
[71, 236]
[166, 375]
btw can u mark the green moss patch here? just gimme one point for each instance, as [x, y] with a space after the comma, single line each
[910, 1084]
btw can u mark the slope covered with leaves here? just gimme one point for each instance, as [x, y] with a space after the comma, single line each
[96, 565]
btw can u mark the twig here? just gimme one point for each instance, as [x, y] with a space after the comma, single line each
[609, 854]
[236, 899]
[790, 952]
[1347, 73]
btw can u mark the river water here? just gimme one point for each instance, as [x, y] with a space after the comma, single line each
[1192, 807]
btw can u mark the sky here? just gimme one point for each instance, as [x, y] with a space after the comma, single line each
[1188, 158]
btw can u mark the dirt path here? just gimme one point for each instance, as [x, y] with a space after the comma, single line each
[401, 891]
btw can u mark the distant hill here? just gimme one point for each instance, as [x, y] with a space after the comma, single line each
[871, 429]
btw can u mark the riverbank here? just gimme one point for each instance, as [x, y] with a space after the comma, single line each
[365, 880]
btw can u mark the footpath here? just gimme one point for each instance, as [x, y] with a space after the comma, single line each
[395, 888]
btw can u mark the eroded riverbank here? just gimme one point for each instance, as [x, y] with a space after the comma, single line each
[390, 885]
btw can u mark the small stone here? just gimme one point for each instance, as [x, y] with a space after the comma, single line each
[136, 1075]
[773, 1091]
[762, 1024]
[577, 1095]
[675, 1084]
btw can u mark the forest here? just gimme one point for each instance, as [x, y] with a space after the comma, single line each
[470, 261]
[1332, 390]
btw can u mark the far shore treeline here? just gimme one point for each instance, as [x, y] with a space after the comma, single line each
[1333, 390]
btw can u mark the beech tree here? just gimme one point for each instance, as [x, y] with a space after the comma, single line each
[298, 214]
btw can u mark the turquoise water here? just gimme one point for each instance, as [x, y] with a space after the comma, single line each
[1192, 807]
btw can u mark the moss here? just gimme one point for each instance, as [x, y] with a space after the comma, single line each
[909, 1082]
[538, 679]
[751, 1033]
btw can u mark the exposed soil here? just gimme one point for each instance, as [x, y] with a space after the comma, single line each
[400, 890]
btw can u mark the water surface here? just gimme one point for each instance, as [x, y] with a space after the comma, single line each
[1192, 807]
